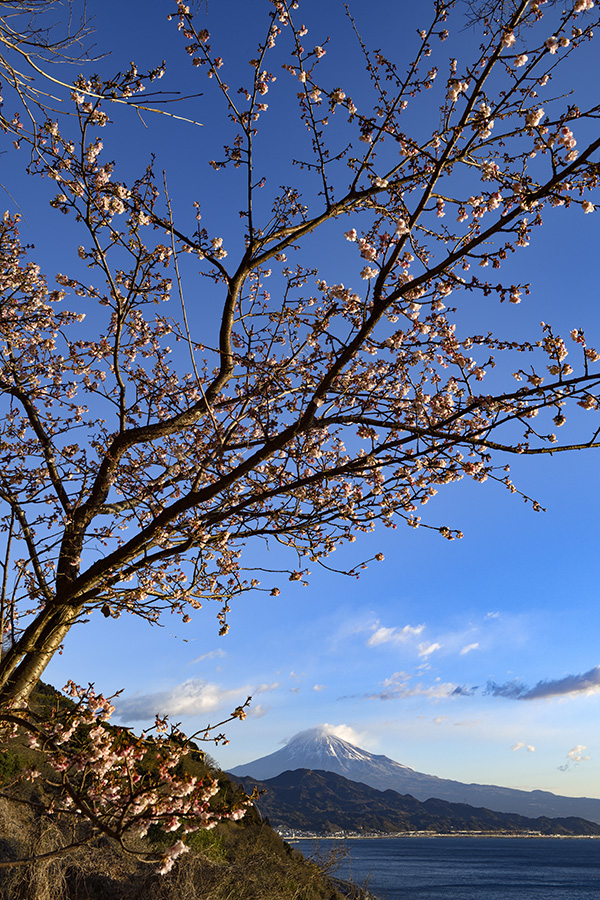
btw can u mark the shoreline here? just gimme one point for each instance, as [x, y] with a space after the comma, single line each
[353, 835]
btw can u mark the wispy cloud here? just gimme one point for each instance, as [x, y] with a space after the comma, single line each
[384, 635]
[461, 690]
[193, 697]
[460, 642]
[521, 745]
[570, 685]
[213, 654]
[319, 687]
[399, 685]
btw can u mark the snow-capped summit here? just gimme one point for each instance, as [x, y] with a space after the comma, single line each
[319, 748]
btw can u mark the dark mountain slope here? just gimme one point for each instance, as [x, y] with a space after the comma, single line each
[323, 802]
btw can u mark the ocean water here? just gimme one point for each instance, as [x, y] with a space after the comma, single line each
[444, 868]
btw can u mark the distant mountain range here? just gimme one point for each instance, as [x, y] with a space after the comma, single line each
[325, 803]
[319, 749]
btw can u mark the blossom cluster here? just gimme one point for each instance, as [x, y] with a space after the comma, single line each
[118, 783]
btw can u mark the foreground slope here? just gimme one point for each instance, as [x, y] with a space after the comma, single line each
[243, 860]
[316, 748]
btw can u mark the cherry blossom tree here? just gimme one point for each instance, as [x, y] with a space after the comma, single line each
[146, 455]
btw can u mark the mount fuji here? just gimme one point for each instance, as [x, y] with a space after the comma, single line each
[317, 748]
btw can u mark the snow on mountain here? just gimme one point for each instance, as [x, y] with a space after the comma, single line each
[318, 748]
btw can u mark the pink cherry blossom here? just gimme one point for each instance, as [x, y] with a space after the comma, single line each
[369, 272]
[534, 117]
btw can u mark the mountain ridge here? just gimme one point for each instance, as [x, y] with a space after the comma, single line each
[320, 749]
[322, 803]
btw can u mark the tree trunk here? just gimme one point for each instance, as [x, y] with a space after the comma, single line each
[23, 665]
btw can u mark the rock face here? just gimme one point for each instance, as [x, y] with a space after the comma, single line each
[325, 803]
[317, 748]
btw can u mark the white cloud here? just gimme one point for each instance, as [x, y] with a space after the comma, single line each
[520, 745]
[191, 698]
[347, 733]
[384, 635]
[468, 649]
[319, 687]
[261, 688]
[440, 719]
[576, 754]
[426, 649]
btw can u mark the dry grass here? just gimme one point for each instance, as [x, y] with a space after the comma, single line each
[245, 861]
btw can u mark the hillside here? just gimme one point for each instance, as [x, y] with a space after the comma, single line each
[323, 803]
[244, 860]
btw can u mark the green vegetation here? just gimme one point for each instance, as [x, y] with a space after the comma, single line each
[10, 765]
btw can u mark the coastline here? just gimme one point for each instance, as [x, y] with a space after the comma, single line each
[291, 836]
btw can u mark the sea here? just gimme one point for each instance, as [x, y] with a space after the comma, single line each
[464, 868]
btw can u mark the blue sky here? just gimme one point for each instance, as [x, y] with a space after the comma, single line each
[474, 660]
